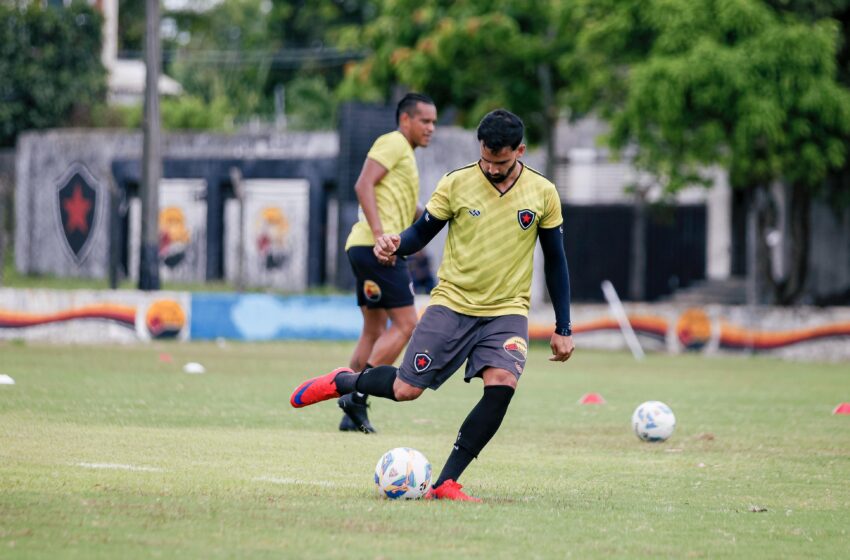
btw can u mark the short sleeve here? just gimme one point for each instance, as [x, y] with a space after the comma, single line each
[387, 150]
[551, 208]
[439, 205]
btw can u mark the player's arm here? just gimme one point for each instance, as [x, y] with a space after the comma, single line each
[370, 176]
[410, 240]
[558, 282]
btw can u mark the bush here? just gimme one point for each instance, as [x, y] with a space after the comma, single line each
[50, 66]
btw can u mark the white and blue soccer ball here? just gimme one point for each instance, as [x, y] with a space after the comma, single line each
[402, 473]
[653, 421]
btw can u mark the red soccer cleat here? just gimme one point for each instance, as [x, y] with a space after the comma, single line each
[449, 490]
[317, 389]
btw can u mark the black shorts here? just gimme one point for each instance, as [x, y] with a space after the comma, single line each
[443, 339]
[379, 286]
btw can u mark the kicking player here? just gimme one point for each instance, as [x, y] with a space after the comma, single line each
[388, 192]
[497, 208]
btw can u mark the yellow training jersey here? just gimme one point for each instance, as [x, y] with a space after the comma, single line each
[396, 194]
[487, 260]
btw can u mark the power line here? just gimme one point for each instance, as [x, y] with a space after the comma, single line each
[284, 58]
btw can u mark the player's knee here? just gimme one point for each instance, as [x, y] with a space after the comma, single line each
[405, 323]
[406, 328]
[373, 332]
[405, 392]
[497, 376]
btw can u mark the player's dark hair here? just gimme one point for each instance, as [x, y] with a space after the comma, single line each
[408, 104]
[499, 129]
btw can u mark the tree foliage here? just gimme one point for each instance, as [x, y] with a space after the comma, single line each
[50, 66]
[246, 51]
[729, 82]
[473, 56]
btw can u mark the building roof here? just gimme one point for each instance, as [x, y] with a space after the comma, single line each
[127, 81]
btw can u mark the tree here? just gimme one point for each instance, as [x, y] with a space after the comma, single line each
[691, 84]
[50, 66]
[213, 64]
[245, 53]
[473, 56]
[813, 10]
[131, 26]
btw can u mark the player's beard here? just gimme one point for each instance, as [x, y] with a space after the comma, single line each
[500, 177]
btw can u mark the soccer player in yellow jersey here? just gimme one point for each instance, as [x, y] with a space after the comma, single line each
[496, 208]
[388, 192]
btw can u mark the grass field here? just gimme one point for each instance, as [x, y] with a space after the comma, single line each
[110, 452]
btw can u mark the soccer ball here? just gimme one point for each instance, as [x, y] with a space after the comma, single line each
[653, 421]
[402, 473]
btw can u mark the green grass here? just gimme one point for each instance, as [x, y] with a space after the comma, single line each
[236, 473]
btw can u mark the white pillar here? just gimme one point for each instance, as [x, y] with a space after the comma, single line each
[110, 32]
[718, 253]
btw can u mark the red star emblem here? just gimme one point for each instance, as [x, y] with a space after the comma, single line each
[526, 218]
[77, 208]
[421, 362]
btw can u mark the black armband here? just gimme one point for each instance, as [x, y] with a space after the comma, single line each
[423, 230]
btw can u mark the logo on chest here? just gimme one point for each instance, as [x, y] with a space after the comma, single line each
[474, 213]
[525, 218]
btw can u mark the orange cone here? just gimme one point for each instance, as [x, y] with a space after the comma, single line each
[592, 398]
[843, 408]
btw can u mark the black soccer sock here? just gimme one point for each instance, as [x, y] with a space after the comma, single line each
[478, 428]
[345, 382]
[358, 397]
[377, 381]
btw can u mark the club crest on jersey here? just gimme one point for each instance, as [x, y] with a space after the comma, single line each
[525, 218]
[516, 347]
[421, 362]
[371, 290]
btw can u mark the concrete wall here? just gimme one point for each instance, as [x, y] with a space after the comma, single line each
[829, 253]
[93, 317]
[7, 191]
[45, 158]
[103, 317]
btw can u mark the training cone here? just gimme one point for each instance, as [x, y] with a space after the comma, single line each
[843, 408]
[592, 398]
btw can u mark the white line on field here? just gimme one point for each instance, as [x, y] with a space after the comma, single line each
[295, 481]
[119, 467]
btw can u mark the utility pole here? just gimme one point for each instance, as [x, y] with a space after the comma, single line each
[151, 154]
[637, 265]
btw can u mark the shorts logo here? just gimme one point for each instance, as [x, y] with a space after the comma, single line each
[525, 218]
[421, 362]
[371, 290]
[516, 347]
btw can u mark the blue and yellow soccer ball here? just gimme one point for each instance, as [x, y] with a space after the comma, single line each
[402, 473]
[653, 421]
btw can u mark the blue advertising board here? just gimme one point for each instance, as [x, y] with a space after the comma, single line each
[270, 317]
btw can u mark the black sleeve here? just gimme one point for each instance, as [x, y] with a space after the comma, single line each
[419, 234]
[557, 277]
